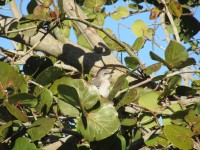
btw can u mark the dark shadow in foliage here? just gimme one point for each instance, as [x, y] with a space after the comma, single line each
[190, 26]
[76, 54]
[35, 65]
[72, 141]
[112, 142]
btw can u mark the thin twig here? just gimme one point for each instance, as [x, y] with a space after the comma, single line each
[150, 79]
[172, 22]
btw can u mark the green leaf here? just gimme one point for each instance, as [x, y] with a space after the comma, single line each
[147, 120]
[24, 143]
[94, 3]
[175, 54]
[129, 97]
[69, 94]
[4, 130]
[138, 44]
[156, 140]
[197, 109]
[157, 58]
[40, 128]
[120, 13]
[173, 82]
[117, 86]
[27, 23]
[67, 109]
[139, 28]
[188, 62]
[16, 112]
[88, 95]
[23, 99]
[132, 62]
[49, 75]
[11, 81]
[98, 126]
[83, 42]
[128, 121]
[196, 83]
[56, 83]
[176, 8]
[179, 136]
[46, 100]
[150, 100]
[153, 68]
[185, 91]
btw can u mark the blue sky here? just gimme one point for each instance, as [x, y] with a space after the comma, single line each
[125, 34]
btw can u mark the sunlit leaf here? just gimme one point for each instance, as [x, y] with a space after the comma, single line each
[98, 126]
[40, 128]
[94, 3]
[150, 100]
[67, 109]
[24, 143]
[139, 28]
[179, 136]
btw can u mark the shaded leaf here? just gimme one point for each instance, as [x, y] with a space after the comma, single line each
[16, 112]
[185, 91]
[24, 143]
[4, 130]
[153, 68]
[49, 75]
[40, 128]
[157, 58]
[46, 100]
[115, 142]
[23, 99]
[179, 136]
[138, 44]
[117, 86]
[175, 54]
[129, 97]
[11, 81]
[69, 94]
[132, 62]
[98, 125]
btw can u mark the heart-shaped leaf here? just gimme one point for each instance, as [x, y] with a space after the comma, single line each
[98, 126]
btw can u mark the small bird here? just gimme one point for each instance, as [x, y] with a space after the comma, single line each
[102, 82]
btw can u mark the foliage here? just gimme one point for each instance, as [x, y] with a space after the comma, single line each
[46, 91]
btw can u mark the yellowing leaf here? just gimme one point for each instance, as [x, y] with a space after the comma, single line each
[139, 28]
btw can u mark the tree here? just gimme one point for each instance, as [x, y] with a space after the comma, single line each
[48, 102]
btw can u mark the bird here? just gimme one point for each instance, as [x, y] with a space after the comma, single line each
[102, 82]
